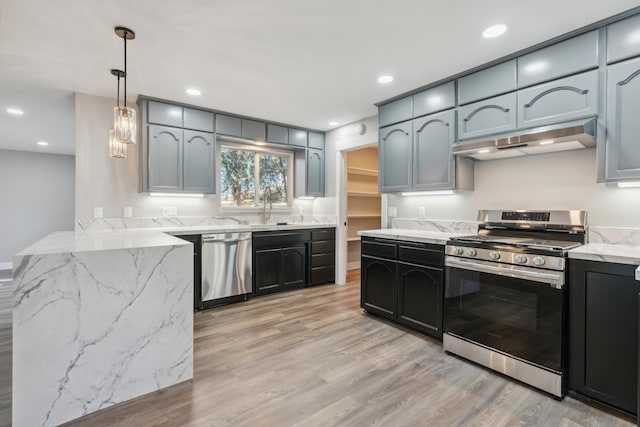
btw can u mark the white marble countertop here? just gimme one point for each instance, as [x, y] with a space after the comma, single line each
[436, 237]
[622, 254]
[232, 228]
[99, 240]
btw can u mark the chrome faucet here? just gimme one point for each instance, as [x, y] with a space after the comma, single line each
[266, 215]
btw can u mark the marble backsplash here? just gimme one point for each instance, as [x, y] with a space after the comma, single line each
[470, 227]
[614, 235]
[191, 221]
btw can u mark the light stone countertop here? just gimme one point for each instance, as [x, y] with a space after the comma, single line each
[232, 228]
[622, 254]
[435, 237]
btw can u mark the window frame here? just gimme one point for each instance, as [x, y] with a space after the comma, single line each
[266, 149]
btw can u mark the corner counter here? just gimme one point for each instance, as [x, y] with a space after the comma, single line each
[99, 317]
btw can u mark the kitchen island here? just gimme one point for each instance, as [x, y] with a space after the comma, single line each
[99, 317]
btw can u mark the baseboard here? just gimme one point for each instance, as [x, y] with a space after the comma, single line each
[6, 266]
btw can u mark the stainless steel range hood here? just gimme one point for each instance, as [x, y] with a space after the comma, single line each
[560, 137]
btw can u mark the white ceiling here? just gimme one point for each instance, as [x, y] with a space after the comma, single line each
[292, 61]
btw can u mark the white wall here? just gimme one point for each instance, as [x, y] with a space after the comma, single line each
[564, 180]
[36, 198]
[114, 183]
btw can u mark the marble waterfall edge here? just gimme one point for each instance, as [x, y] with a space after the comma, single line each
[92, 329]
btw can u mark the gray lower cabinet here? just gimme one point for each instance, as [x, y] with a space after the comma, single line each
[433, 137]
[395, 147]
[165, 158]
[315, 173]
[560, 100]
[623, 123]
[199, 162]
[492, 116]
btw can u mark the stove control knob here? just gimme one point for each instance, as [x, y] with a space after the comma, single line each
[458, 251]
[521, 259]
[494, 255]
[471, 252]
[538, 260]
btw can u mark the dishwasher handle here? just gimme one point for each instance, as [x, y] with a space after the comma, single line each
[225, 238]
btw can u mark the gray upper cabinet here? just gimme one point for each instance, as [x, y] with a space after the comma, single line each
[623, 39]
[227, 125]
[484, 84]
[253, 130]
[316, 140]
[198, 120]
[277, 134]
[395, 147]
[623, 124]
[164, 114]
[298, 137]
[562, 59]
[494, 115]
[165, 158]
[315, 172]
[436, 99]
[560, 100]
[396, 111]
[433, 137]
[199, 162]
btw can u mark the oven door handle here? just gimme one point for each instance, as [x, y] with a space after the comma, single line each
[555, 280]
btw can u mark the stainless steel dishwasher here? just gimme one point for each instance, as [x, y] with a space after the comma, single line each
[226, 267]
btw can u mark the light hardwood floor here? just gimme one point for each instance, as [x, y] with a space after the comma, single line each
[314, 358]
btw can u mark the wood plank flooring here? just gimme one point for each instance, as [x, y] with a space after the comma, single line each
[314, 358]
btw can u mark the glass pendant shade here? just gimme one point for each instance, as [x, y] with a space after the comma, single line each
[117, 149]
[124, 124]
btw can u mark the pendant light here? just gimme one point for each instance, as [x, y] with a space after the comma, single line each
[124, 118]
[117, 149]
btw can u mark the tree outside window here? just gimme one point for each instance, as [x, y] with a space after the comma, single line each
[243, 170]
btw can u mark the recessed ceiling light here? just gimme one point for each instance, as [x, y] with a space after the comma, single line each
[546, 142]
[43, 143]
[193, 91]
[385, 79]
[333, 123]
[494, 31]
[15, 111]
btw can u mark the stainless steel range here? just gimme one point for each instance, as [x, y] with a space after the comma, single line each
[505, 294]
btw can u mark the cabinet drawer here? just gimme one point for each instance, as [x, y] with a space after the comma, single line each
[227, 125]
[277, 134]
[324, 274]
[421, 254]
[198, 120]
[316, 140]
[323, 234]
[322, 247]
[435, 99]
[559, 60]
[164, 114]
[493, 81]
[379, 248]
[297, 137]
[396, 111]
[253, 130]
[560, 100]
[623, 39]
[492, 116]
[275, 239]
[320, 260]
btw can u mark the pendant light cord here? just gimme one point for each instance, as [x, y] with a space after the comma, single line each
[125, 69]
[118, 95]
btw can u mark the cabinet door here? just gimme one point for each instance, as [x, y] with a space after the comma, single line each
[316, 140]
[603, 332]
[198, 120]
[623, 126]
[395, 147]
[227, 125]
[492, 116]
[277, 134]
[560, 100]
[315, 172]
[420, 298]
[294, 267]
[298, 137]
[432, 158]
[165, 158]
[165, 114]
[199, 162]
[622, 39]
[268, 270]
[435, 99]
[487, 83]
[253, 130]
[378, 286]
[396, 111]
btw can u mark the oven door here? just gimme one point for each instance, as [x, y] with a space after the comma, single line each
[512, 309]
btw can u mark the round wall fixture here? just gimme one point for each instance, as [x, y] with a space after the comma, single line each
[359, 129]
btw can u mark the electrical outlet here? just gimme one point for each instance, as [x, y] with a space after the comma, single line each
[170, 211]
[127, 212]
[392, 212]
[97, 212]
[422, 212]
[300, 210]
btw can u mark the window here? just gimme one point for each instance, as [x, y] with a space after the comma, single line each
[245, 173]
